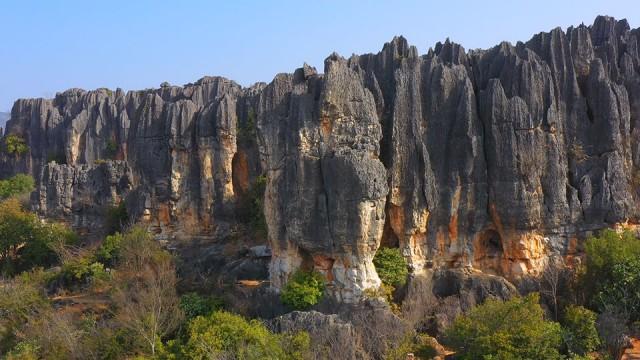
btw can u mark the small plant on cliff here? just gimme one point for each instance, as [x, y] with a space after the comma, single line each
[304, 289]
[116, 218]
[391, 266]
[251, 209]
[247, 129]
[513, 329]
[578, 153]
[15, 145]
[111, 149]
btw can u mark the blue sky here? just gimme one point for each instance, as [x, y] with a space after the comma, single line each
[49, 46]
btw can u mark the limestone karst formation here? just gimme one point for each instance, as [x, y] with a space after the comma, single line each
[493, 159]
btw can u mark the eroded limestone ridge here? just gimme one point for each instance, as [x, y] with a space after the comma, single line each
[494, 159]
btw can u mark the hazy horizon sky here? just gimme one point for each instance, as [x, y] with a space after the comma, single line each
[50, 46]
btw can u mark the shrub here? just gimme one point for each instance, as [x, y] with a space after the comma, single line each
[109, 250]
[579, 329]
[247, 129]
[116, 218]
[111, 149]
[513, 329]
[303, 290]
[622, 292]
[82, 269]
[21, 299]
[193, 304]
[15, 145]
[609, 265]
[222, 335]
[25, 242]
[18, 185]
[391, 266]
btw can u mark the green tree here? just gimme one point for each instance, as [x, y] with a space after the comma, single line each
[194, 304]
[109, 250]
[391, 266]
[303, 290]
[509, 330]
[25, 242]
[223, 334]
[610, 276]
[579, 330]
[18, 185]
[15, 145]
[622, 292]
[144, 289]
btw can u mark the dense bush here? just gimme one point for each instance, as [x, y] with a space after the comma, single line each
[579, 329]
[622, 292]
[15, 145]
[226, 335]
[391, 266]
[513, 329]
[25, 242]
[18, 185]
[109, 250]
[194, 304]
[610, 277]
[303, 290]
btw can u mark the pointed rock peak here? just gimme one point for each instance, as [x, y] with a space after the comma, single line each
[603, 29]
[451, 52]
[398, 46]
[333, 60]
[304, 73]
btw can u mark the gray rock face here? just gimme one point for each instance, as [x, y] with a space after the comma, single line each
[491, 159]
[3, 119]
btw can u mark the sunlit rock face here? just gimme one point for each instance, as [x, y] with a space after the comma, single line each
[492, 159]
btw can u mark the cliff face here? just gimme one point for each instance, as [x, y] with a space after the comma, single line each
[494, 159]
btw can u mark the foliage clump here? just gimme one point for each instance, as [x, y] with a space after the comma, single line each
[391, 266]
[579, 330]
[303, 290]
[610, 277]
[194, 304]
[222, 335]
[513, 329]
[26, 242]
[111, 149]
[19, 184]
[15, 145]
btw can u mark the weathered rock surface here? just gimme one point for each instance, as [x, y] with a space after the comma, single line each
[491, 159]
[3, 119]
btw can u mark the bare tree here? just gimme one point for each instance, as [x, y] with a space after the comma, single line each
[552, 281]
[145, 295]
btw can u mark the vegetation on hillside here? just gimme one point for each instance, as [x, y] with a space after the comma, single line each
[15, 145]
[120, 299]
[303, 290]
